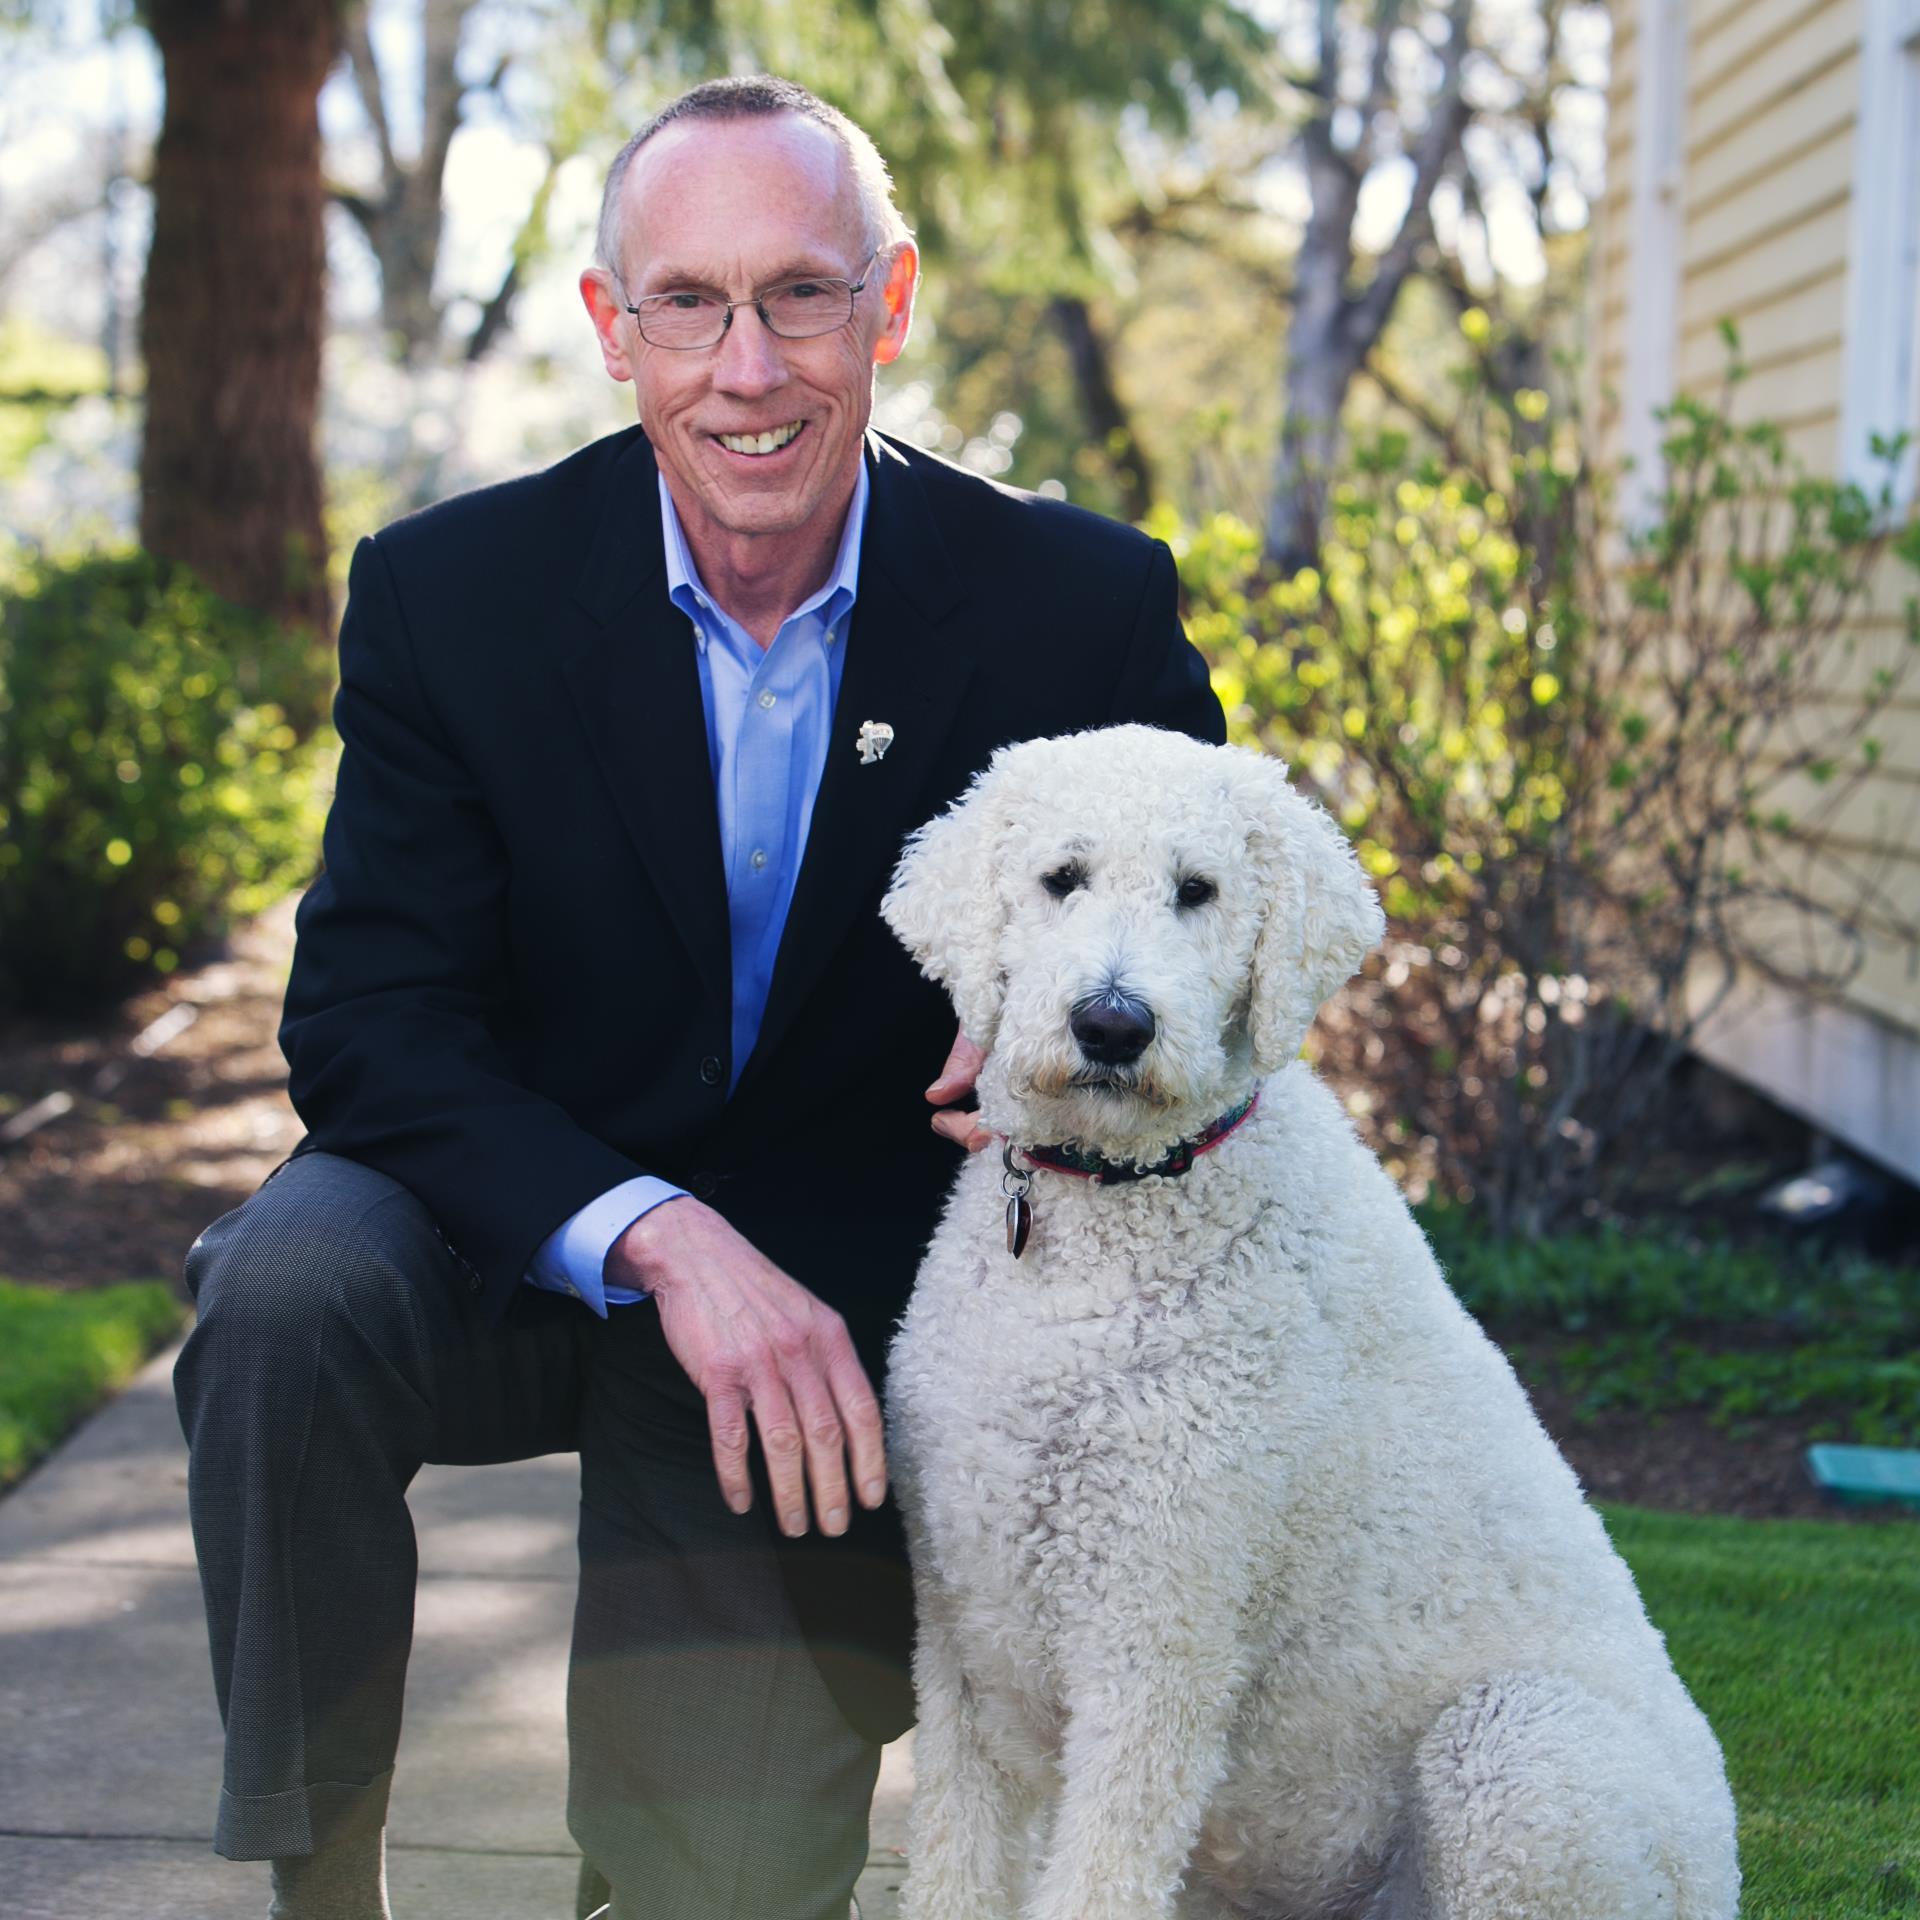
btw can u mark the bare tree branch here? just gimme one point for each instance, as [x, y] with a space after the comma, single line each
[366, 80]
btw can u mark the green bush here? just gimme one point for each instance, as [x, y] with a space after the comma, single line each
[1592, 754]
[151, 786]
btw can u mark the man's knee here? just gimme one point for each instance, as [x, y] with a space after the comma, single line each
[324, 1241]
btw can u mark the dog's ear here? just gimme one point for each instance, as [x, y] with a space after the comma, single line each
[945, 901]
[1322, 917]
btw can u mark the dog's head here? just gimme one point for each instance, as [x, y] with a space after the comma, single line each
[1136, 926]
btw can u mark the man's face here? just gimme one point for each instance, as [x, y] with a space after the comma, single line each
[735, 207]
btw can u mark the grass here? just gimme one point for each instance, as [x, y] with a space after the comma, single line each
[61, 1354]
[1800, 1640]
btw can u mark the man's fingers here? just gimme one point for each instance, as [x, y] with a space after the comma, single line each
[825, 1443]
[727, 1424]
[963, 1129]
[963, 1063]
[861, 1422]
[785, 1449]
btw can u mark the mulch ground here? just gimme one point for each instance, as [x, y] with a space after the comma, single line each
[1684, 1463]
[117, 1187]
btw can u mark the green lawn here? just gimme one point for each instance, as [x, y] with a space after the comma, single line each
[61, 1354]
[1800, 1640]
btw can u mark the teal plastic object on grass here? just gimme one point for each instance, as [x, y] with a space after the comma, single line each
[1861, 1476]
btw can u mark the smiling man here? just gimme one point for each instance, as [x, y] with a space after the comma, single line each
[614, 1080]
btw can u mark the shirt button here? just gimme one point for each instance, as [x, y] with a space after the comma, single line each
[767, 697]
[710, 1071]
[833, 634]
[759, 858]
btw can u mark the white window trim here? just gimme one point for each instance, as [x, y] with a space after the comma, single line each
[1653, 255]
[1881, 382]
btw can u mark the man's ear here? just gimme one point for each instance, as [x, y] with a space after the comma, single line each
[896, 294]
[1322, 915]
[946, 903]
[607, 312]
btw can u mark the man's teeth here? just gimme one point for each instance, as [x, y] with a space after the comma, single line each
[768, 442]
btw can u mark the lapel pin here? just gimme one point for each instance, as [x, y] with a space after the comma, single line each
[874, 738]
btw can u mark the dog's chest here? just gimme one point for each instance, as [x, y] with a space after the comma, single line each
[1031, 1448]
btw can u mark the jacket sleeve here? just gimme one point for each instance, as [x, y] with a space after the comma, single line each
[401, 968]
[1164, 680]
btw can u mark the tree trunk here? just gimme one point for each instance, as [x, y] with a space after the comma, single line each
[234, 309]
[1109, 425]
[402, 221]
[1333, 330]
[1320, 368]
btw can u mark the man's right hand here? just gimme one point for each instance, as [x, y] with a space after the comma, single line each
[754, 1340]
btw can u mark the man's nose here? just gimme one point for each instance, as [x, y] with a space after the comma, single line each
[1113, 1028]
[750, 357]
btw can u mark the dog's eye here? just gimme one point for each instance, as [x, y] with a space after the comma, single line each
[1065, 880]
[1195, 891]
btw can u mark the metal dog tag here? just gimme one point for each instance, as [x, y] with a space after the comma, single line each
[1019, 1224]
[1014, 1183]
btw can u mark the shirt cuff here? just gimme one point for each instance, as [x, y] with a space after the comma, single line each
[573, 1257]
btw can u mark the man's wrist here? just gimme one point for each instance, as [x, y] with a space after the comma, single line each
[642, 1256]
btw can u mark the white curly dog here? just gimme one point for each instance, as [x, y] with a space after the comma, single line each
[1248, 1583]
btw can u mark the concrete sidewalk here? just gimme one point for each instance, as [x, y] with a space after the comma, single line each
[111, 1739]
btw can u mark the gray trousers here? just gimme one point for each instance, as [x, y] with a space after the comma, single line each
[338, 1349]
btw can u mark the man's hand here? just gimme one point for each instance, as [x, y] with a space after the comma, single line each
[956, 1078]
[753, 1339]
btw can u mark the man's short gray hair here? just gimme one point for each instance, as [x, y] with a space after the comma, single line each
[759, 96]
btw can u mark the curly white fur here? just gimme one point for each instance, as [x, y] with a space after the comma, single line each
[1248, 1582]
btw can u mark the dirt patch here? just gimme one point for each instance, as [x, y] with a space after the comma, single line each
[1684, 1463]
[117, 1187]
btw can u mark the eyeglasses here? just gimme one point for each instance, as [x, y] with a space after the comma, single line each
[800, 310]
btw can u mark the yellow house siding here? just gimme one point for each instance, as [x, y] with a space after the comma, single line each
[1770, 119]
[1782, 261]
[1883, 812]
[1796, 389]
[1777, 202]
[1809, 111]
[1709, 22]
[1805, 315]
[1772, 50]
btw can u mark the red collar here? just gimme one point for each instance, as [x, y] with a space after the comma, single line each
[1113, 1173]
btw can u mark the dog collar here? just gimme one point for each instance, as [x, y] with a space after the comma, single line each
[1102, 1171]
[1115, 1173]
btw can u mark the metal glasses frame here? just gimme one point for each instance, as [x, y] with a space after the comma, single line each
[757, 301]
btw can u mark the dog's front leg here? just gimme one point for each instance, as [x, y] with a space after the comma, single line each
[1145, 1750]
[966, 1827]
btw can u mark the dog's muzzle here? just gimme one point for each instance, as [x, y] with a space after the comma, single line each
[1111, 1029]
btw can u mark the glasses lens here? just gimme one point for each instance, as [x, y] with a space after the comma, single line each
[808, 307]
[682, 319]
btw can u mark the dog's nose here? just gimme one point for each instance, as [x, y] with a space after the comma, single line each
[1112, 1028]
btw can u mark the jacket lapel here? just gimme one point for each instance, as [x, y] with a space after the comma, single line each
[629, 663]
[908, 666]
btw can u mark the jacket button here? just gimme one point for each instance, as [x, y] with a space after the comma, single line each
[711, 1071]
[703, 1185]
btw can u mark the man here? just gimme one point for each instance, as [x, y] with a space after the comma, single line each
[593, 994]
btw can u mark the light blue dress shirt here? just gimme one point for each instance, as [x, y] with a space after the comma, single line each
[769, 715]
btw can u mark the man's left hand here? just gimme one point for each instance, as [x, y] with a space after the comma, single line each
[956, 1080]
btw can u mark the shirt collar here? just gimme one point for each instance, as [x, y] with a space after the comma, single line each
[687, 590]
